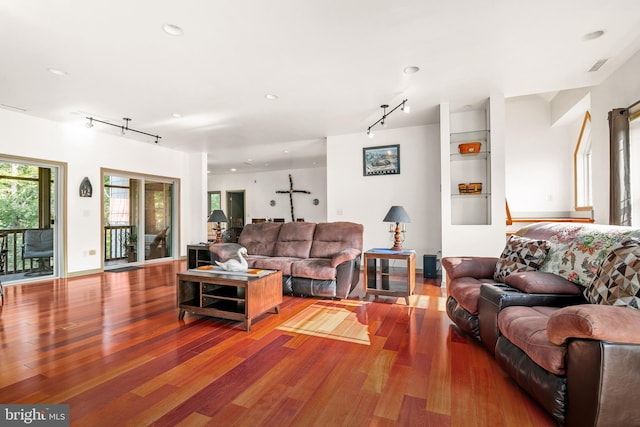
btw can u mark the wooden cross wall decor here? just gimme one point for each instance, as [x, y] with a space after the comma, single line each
[291, 191]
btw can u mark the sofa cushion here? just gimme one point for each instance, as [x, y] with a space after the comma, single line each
[526, 328]
[540, 282]
[314, 268]
[295, 239]
[466, 291]
[520, 254]
[616, 282]
[260, 238]
[332, 237]
[274, 263]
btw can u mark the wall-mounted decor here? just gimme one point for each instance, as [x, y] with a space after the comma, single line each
[86, 190]
[290, 191]
[382, 160]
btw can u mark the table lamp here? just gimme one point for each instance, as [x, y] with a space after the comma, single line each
[397, 214]
[217, 216]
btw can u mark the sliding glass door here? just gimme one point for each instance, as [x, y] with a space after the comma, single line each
[138, 218]
[158, 206]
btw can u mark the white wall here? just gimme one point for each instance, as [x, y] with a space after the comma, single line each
[260, 188]
[366, 199]
[539, 158]
[618, 91]
[86, 151]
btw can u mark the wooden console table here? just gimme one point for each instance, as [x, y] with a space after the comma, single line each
[389, 281]
[228, 296]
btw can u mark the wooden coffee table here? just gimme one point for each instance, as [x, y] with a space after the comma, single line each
[228, 296]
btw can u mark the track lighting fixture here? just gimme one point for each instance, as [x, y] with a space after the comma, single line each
[403, 106]
[123, 128]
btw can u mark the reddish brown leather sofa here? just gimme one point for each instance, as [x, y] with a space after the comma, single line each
[316, 259]
[579, 361]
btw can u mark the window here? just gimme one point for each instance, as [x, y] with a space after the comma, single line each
[582, 169]
[634, 148]
[213, 203]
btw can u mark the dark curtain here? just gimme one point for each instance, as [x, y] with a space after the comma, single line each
[619, 165]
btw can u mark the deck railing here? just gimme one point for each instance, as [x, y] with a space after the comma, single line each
[117, 239]
[116, 246]
[12, 261]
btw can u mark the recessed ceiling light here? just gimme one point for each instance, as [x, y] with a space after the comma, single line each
[286, 151]
[233, 169]
[593, 35]
[411, 69]
[172, 30]
[271, 97]
[176, 115]
[57, 72]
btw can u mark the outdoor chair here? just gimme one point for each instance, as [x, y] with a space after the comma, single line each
[38, 244]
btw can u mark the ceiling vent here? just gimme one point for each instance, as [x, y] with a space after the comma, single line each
[599, 63]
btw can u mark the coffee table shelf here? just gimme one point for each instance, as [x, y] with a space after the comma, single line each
[228, 296]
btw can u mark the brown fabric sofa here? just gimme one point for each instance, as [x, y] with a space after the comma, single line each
[579, 360]
[320, 259]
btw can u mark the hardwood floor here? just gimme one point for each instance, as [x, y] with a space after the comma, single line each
[112, 347]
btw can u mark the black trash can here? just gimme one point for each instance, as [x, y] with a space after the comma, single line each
[430, 266]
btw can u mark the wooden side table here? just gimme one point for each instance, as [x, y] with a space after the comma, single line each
[389, 281]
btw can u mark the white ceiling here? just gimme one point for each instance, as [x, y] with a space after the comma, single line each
[331, 63]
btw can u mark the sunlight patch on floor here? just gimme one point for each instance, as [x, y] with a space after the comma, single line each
[337, 320]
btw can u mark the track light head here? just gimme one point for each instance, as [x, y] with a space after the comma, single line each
[369, 133]
[405, 108]
[89, 124]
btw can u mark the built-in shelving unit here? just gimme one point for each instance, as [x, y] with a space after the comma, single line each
[472, 223]
[475, 167]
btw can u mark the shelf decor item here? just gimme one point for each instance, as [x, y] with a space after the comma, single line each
[472, 188]
[382, 160]
[469, 147]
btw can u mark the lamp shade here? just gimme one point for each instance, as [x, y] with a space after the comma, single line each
[396, 214]
[217, 216]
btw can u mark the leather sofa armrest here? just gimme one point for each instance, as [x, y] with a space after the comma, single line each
[494, 297]
[476, 267]
[344, 255]
[595, 322]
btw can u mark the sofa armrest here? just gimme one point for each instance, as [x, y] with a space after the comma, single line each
[344, 255]
[494, 297]
[223, 251]
[595, 322]
[476, 267]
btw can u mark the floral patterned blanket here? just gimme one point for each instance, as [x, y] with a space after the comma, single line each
[577, 250]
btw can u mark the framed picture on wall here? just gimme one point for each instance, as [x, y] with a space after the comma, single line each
[382, 160]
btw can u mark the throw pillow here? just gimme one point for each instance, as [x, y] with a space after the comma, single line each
[617, 281]
[520, 254]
